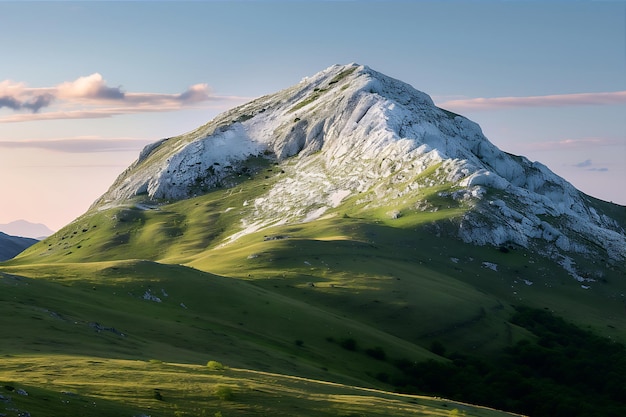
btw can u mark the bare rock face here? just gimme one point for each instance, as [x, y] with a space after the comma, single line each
[350, 130]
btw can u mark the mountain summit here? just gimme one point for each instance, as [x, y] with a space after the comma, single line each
[352, 136]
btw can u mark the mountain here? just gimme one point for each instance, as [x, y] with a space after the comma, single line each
[12, 245]
[26, 229]
[352, 134]
[326, 245]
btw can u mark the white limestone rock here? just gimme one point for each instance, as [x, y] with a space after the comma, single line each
[350, 130]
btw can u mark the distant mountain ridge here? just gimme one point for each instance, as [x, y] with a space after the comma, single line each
[352, 134]
[25, 228]
[11, 246]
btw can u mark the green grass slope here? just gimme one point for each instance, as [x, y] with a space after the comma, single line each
[346, 298]
[141, 309]
[93, 386]
[92, 339]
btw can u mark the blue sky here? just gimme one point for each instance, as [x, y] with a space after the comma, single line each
[84, 85]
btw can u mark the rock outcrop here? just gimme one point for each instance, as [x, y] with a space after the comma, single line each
[351, 131]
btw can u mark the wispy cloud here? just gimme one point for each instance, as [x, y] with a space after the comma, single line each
[587, 165]
[584, 164]
[32, 102]
[560, 100]
[570, 144]
[91, 97]
[79, 144]
[97, 113]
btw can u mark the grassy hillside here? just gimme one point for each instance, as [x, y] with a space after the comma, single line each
[12, 245]
[147, 310]
[93, 339]
[93, 386]
[358, 297]
[361, 264]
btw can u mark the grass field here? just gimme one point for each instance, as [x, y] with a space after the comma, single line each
[93, 386]
[128, 304]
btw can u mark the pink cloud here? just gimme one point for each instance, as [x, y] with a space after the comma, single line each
[570, 144]
[153, 106]
[560, 100]
[79, 144]
[90, 87]
[91, 97]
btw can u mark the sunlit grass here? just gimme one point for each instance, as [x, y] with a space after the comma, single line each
[92, 386]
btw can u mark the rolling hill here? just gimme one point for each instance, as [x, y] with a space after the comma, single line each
[12, 245]
[342, 230]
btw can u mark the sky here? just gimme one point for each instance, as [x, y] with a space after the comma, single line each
[85, 85]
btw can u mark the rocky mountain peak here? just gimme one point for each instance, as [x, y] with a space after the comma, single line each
[349, 131]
